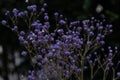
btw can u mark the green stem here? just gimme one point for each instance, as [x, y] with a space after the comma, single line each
[113, 74]
[104, 75]
[91, 72]
[82, 67]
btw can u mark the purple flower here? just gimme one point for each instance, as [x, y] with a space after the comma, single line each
[89, 43]
[118, 74]
[62, 22]
[97, 38]
[56, 14]
[24, 53]
[39, 57]
[46, 18]
[15, 28]
[102, 49]
[32, 8]
[4, 22]
[91, 33]
[110, 30]
[25, 42]
[102, 42]
[67, 53]
[90, 61]
[42, 9]
[15, 12]
[21, 38]
[7, 13]
[100, 27]
[45, 60]
[45, 4]
[50, 54]
[110, 26]
[21, 14]
[61, 16]
[39, 64]
[60, 31]
[92, 27]
[88, 57]
[22, 33]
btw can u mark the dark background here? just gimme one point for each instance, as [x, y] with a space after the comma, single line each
[72, 9]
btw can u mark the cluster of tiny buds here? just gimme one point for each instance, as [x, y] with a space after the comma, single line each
[59, 50]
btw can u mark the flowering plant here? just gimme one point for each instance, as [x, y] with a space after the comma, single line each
[64, 50]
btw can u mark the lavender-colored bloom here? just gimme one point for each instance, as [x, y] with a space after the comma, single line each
[88, 57]
[90, 61]
[92, 18]
[62, 22]
[42, 9]
[45, 60]
[54, 46]
[89, 43]
[60, 31]
[95, 53]
[34, 24]
[102, 49]
[102, 36]
[45, 4]
[25, 42]
[21, 14]
[15, 12]
[110, 50]
[50, 54]
[110, 26]
[92, 27]
[91, 33]
[7, 13]
[46, 14]
[73, 67]
[78, 70]
[22, 33]
[118, 74]
[32, 8]
[33, 42]
[29, 7]
[100, 27]
[79, 29]
[67, 53]
[15, 28]
[56, 14]
[39, 57]
[46, 18]
[4, 22]
[21, 38]
[39, 64]
[110, 54]
[109, 47]
[61, 16]
[97, 38]
[31, 36]
[110, 30]
[24, 53]
[102, 42]
[43, 51]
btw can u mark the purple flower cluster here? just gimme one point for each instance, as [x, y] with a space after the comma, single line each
[64, 50]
